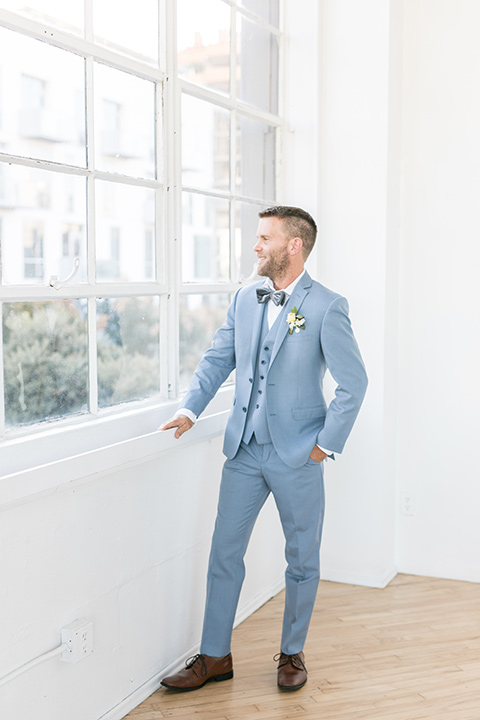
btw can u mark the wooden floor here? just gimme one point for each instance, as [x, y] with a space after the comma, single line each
[408, 652]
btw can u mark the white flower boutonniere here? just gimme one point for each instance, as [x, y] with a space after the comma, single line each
[296, 322]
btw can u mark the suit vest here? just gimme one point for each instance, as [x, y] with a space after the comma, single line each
[257, 422]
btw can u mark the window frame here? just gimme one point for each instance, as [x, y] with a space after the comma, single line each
[168, 188]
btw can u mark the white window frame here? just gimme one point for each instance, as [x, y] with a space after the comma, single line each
[127, 420]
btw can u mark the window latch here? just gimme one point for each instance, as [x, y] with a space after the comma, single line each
[57, 284]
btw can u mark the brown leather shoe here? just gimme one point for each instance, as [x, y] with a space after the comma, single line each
[291, 673]
[199, 670]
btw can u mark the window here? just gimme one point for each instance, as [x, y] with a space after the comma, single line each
[128, 204]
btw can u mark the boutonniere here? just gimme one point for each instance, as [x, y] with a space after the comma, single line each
[296, 322]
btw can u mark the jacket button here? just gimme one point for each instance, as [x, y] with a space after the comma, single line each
[263, 362]
[267, 349]
[244, 409]
[250, 379]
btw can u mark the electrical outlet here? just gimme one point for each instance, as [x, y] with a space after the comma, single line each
[408, 504]
[78, 637]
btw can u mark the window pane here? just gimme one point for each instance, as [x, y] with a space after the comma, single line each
[43, 100]
[205, 145]
[246, 237]
[128, 349]
[200, 318]
[125, 217]
[124, 123]
[131, 28]
[44, 228]
[205, 239]
[257, 48]
[66, 16]
[267, 9]
[255, 172]
[204, 43]
[45, 359]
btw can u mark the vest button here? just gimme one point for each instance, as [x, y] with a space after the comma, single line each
[267, 349]
[250, 379]
[244, 409]
[258, 406]
[263, 362]
[262, 377]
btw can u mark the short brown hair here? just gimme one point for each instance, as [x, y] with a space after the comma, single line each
[298, 223]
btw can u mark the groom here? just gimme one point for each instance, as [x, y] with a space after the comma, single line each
[280, 335]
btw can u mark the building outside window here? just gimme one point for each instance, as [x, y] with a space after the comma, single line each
[132, 167]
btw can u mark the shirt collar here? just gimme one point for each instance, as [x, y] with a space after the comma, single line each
[288, 290]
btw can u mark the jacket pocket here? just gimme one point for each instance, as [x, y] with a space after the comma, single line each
[307, 413]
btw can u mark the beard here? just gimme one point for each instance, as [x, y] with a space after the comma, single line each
[276, 265]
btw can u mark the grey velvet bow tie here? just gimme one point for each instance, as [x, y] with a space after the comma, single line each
[265, 294]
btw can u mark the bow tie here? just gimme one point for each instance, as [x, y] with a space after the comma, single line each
[265, 294]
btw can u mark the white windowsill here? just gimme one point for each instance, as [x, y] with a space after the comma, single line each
[55, 457]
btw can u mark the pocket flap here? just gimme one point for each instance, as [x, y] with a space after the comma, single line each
[305, 413]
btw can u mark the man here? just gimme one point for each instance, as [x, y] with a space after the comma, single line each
[280, 335]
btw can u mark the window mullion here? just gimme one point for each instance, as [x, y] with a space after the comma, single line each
[282, 128]
[90, 166]
[173, 198]
[91, 257]
[233, 163]
[233, 53]
[204, 93]
[258, 19]
[234, 273]
[92, 356]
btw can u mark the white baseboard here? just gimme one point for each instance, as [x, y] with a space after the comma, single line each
[135, 699]
[353, 578]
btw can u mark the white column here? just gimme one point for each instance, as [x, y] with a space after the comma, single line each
[360, 57]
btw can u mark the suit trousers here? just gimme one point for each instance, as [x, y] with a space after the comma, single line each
[247, 480]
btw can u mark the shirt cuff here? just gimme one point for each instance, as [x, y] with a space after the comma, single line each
[188, 413]
[329, 453]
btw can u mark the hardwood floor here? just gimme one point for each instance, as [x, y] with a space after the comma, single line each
[408, 652]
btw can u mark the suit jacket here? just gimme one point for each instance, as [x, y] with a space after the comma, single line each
[297, 413]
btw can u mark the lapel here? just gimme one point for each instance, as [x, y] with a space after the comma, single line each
[295, 300]
[257, 314]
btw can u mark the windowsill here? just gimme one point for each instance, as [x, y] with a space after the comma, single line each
[38, 462]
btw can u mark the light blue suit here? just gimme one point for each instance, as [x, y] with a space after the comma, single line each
[285, 372]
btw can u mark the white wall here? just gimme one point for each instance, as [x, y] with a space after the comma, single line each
[438, 463]
[126, 548]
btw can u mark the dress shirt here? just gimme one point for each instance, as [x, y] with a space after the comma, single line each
[275, 310]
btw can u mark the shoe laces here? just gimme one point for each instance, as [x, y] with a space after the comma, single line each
[295, 660]
[197, 663]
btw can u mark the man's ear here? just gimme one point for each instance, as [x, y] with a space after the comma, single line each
[296, 245]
